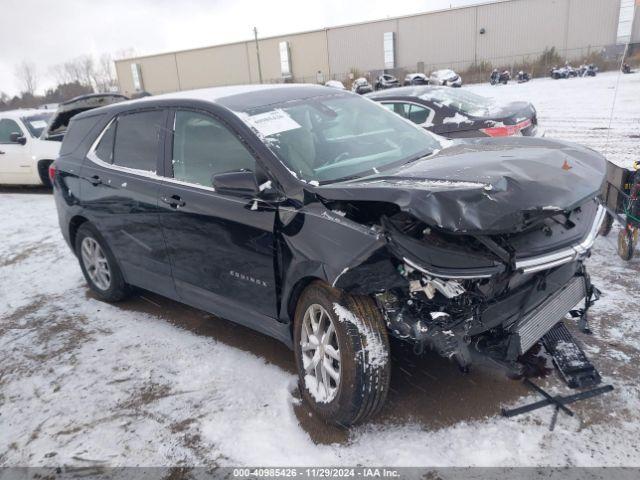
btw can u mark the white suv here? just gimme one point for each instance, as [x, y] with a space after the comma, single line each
[24, 156]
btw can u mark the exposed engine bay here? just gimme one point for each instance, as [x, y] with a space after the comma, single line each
[476, 252]
[471, 296]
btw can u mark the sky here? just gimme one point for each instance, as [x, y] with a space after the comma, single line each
[47, 33]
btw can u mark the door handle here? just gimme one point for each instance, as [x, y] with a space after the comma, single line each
[1, 153]
[95, 180]
[174, 201]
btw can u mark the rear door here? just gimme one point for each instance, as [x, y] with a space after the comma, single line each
[16, 165]
[221, 246]
[120, 196]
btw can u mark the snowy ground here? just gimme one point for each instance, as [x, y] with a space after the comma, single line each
[151, 382]
[580, 110]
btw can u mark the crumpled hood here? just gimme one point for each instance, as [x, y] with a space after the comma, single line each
[485, 186]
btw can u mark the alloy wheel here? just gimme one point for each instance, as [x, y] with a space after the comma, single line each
[96, 264]
[320, 353]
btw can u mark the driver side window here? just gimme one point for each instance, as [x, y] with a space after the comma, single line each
[203, 147]
[7, 127]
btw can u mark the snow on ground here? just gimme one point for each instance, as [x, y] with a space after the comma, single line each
[82, 381]
[580, 109]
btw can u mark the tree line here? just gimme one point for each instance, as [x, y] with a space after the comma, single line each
[79, 76]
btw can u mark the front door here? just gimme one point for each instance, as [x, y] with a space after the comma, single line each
[221, 246]
[16, 166]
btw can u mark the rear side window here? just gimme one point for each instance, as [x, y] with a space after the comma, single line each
[415, 113]
[78, 130]
[104, 150]
[401, 109]
[418, 114]
[137, 140]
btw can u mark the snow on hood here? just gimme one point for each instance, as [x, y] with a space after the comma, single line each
[485, 186]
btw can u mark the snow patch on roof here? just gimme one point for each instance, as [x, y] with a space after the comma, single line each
[457, 118]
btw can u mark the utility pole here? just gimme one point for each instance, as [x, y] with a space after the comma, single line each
[255, 35]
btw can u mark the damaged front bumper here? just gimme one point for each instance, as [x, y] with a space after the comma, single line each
[494, 311]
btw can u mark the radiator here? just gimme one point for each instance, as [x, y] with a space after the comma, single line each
[539, 321]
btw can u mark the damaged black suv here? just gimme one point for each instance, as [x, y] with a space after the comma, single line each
[320, 218]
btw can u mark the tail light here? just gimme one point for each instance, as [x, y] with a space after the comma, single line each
[506, 130]
[52, 172]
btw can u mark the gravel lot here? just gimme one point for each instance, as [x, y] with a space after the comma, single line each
[152, 382]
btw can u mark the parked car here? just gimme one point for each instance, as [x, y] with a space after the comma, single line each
[499, 77]
[416, 79]
[460, 113]
[446, 78]
[329, 223]
[335, 84]
[589, 70]
[386, 81]
[563, 72]
[58, 125]
[24, 156]
[361, 86]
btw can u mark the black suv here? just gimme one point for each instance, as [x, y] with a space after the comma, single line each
[322, 219]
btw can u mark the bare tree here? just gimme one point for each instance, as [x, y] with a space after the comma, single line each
[27, 76]
[86, 66]
[105, 73]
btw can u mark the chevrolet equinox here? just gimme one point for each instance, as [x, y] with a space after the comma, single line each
[322, 219]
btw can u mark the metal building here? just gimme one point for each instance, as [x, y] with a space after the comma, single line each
[499, 33]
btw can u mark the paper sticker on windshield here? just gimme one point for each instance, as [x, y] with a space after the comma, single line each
[275, 121]
[38, 124]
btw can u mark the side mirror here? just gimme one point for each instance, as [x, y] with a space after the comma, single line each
[240, 183]
[15, 137]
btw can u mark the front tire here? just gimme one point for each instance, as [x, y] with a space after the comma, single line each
[99, 266]
[626, 244]
[342, 354]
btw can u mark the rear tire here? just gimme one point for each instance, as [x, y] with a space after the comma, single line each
[43, 172]
[99, 266]
[359, 339]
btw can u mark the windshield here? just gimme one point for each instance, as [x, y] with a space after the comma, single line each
[37, 123]
[328, 138]
[462, 100]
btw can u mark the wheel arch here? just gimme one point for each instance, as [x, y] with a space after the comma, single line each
[43, 170]
[294, 295]
[74, 224]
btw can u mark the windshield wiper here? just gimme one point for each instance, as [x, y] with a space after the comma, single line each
[377, 170]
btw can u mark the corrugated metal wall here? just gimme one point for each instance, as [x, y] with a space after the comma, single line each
[437, 38]
[635, 35]
[308, 51]
[514, 31]
[358, 46]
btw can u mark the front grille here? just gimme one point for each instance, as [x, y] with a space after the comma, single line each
[538, 322]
